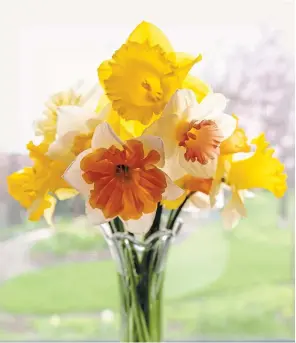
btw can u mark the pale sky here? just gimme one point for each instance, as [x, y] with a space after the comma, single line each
[47, 45]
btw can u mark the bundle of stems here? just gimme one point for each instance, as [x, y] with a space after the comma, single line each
[141, 274]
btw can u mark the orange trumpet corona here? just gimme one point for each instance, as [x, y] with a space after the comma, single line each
[126, 182]
[201, 141]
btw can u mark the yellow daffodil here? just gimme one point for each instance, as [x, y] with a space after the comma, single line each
[34, 186]
[145, 72]
[260, 170]
[237, 142]
[192, 133]
[22, 186]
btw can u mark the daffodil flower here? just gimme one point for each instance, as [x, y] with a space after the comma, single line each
[196, 189]
[192, 133]
[75, 129]
[260, 170]
[73, 132]
[236, 143]
[145, 72]
[47, 126]
[35, 186]
[121, 178]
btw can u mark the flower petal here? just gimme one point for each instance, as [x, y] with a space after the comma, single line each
[153, 143]
[214, 191]
[197, 169]
[65, 193]
[182, 58]
[173, 169]
[185, 67]
[230, 217]
[104, 72]
[213, 102]
[102, 103]
[142, 225]
[94, 215]
[172, 191]
[38, 206]
[234, 210]
[237, 202]
[174, 204]
[151, 33]
[261, 170]
[179, 102]
[118, 125]
[48, 212]
[60, 149]
[165, 128]
[73, 175]
[73, 118]
[200, 89]
[200, 200]
[104, 137]
[91, 98]
[225, 122]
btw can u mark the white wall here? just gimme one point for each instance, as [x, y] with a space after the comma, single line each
[47, 45]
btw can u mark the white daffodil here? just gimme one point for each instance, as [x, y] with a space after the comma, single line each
[192, 133]
[74, 133]
[78, 95]
[121, 178]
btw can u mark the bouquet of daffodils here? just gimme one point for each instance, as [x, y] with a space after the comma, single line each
[156, 138]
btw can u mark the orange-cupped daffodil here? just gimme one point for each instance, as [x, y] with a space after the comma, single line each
[121, 178]
[192, 133]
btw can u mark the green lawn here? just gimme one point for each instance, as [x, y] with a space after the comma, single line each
[219, 285]
[66, 240]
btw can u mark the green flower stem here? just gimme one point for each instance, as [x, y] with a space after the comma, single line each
[118, 224]
[170, 218]
[140, 323]
[125, 310]
[142, 277]
[156, 222]
[155, 324]
[178, 211]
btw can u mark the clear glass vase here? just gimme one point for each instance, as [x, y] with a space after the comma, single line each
[141, 270]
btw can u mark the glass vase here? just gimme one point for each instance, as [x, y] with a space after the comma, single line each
[141, 270]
